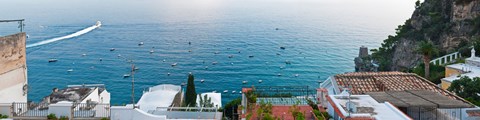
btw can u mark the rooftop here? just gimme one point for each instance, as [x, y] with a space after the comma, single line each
[73, 93]
[365, 106]
[158, 96]
[470, 71]
[422, 98]
[365, 82]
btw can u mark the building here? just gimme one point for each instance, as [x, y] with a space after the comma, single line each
[471, 69]
[163, 102]
[413, 95]
[282, 99]
[13, 71]
[362, 107]
[76, 101]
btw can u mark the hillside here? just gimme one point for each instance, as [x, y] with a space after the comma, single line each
[451, 25]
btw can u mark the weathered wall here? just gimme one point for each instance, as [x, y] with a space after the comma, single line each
[13, 68]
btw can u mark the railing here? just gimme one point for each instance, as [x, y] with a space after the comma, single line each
[446, 58]
[29, 109]
[91, 110]
[197, 109]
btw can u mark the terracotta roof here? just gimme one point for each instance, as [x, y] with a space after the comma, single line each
[363, 82]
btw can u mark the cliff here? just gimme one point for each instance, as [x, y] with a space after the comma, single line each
[449, 24]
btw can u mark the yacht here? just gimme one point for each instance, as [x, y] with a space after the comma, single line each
[174, 64]
[126, 75]
[70, 70]
[112, 49]
[140, 44]
[98, 24]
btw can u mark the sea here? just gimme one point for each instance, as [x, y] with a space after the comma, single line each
[223, 42]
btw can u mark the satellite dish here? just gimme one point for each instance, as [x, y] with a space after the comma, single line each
[351, 107]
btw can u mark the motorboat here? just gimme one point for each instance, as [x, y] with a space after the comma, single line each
[126, 75]
[112, 49]
[70, 70]
[230, 56]
[225, 91]
[98, 24]
[260, 81]
[202, 80]
[140, 44]
[52, 60]
[84, 54]
[168, 74]
[279, 74]
[296, 75]
[233, 92]
[214, 63]
[151, 51]
[174, 64]
[244, 82]
[288, 62]
[283, 48]
[216, 52]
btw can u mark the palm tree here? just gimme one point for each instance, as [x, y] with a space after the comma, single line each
[427, 49]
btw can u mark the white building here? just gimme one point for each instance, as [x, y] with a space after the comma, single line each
[471, 69]
[362, 107]
[162, 102]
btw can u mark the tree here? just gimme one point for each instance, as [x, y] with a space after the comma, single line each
[205, 101]
[417, 4]
[427, 49]
[191, 95]
[467, 88]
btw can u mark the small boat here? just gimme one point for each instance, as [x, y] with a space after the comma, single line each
[163, 60]
[126, 75]
[52, 60]
[216, 52]
[214, 63]
[288, 62]
[119, 55]
[251, 56]
[202, 80]
[230, 56]
[206, 67]
[112, 49]
[281, 68]
[84, 54]
[233, 92]
[279, 74]
[231, 63]
[214, 91]
[168, 74]
[189, 50]
[98, 24]
[70, 70]
[189, 43]
[151, 51]
[277, 29]
[239, 92]
[278, 53]
[136, 68]
[244, 82]
[101, 59]
[296, 75]
[283, 48]
[225, 91]
[260, 81]
[239, 51]
[174, 64]
[183, 84]
[140, 44]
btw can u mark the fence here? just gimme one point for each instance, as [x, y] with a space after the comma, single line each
[446, 58]
[77, 110]
[91, 110]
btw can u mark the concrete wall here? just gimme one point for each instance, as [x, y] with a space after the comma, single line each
[92, 96]
[127, 113]
[105, 97]
[13, 68]
[61, 109]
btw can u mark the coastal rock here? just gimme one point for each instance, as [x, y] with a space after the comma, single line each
[447, 23]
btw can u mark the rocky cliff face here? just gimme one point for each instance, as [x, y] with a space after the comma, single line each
[449, 24]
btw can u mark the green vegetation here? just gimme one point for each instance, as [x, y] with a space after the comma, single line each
[316, 111]
[3, 116]
[467, 88]
[51, 116]
[437, 72]
[296, 113]
[191, 94]
[427, 49]
[104, 118]
[231, 109]
[264, 112]
[205, 101]
[251, 96]
[63, 118]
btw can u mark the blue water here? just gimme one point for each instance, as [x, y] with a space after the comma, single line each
[321, 39]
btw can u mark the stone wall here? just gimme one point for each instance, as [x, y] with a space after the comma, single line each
[13, 68]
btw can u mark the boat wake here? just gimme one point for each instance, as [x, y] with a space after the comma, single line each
[78, 33]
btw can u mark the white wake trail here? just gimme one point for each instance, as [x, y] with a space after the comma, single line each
[78, 33]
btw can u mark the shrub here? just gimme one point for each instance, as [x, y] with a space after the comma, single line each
[63, 118]
[104, 119]
[3, 116]
[51, 116]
